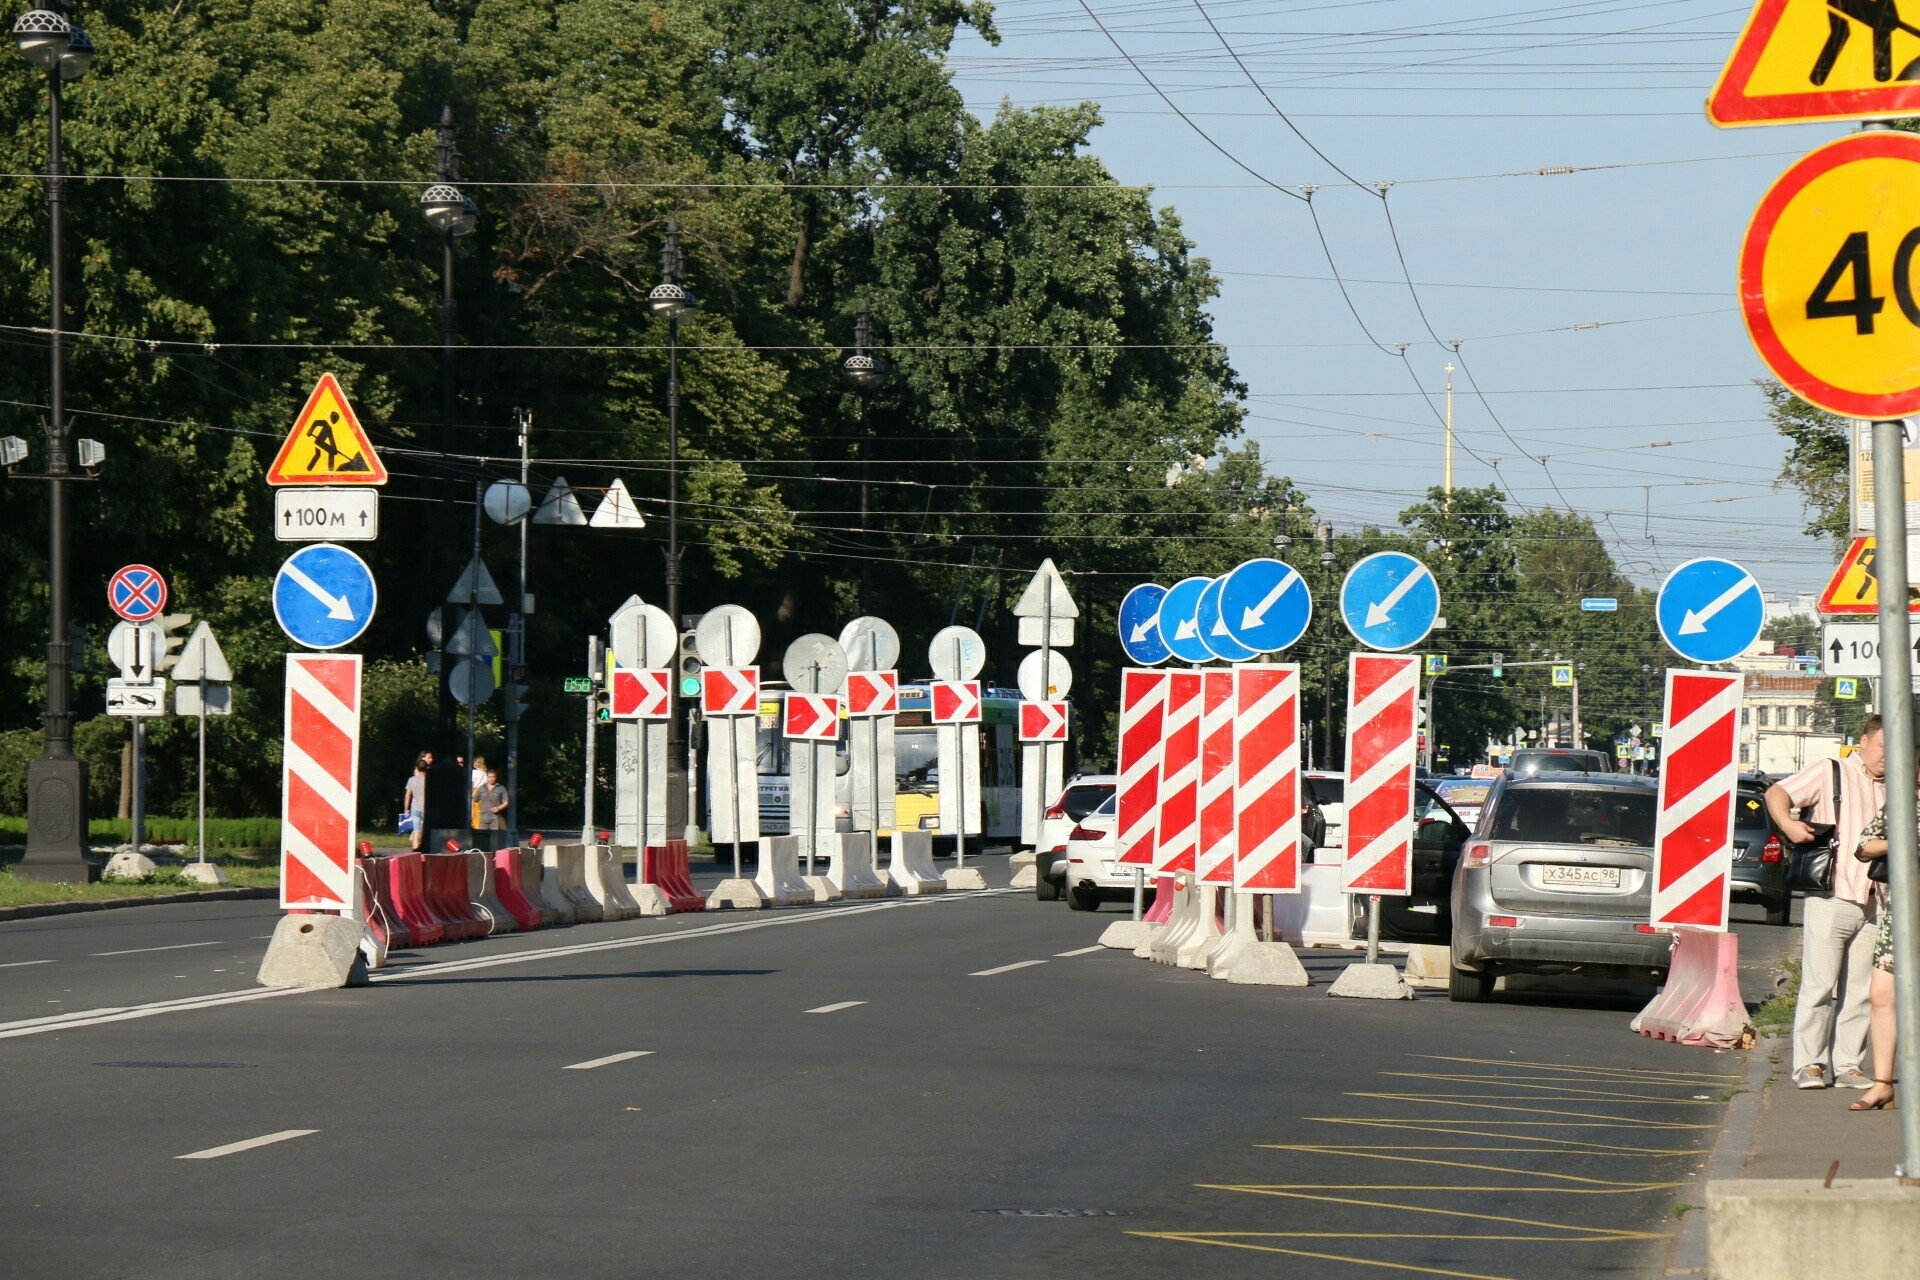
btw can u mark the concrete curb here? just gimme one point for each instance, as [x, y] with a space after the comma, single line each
[34, 910]
[1687, 1255]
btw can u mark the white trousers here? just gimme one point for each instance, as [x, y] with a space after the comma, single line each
[1836, 962]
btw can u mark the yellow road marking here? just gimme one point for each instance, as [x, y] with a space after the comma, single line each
[1561, 1084]
[1631, 1073]
[1613, 1233]
[1358, 1154]
[1451, 1129]
[1612, 1122]
[1323, 1257]
[1573, 1095]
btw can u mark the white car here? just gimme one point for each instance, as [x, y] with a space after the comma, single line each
[1329, 791]
[1081, 797]
[1092, 875]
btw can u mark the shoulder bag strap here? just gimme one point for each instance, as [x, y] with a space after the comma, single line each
[1837, 774]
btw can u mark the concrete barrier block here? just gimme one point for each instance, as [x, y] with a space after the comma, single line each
[824, 890]
[959, 878]
[1429, 967]
[128, 866]
[1016, 862]
[742, 894]
[779, 881]
[314, 951]
[203, 873]
[1149, 939]
[851, 873]
[1024, 878]
[480, 871]
[653, 900]
[1371, 982]
[1125, 935]
[1267, 964]
[1763, 1229]
[910, 871]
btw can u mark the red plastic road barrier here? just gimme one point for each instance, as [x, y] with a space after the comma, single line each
[1701, 1003]
[1214, 861]
[1693, 834]
[1381, 691]
[1143, 702]
[1179, 774]
[665, 866]
[406, 876]
[1161, 909]
[506, 887]
[447, 890]
[384, 919]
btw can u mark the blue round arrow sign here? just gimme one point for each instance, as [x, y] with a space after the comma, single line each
[1140, 625]
[324, 596]
[1213, 627]
[1710, 610]
[1265, 605]
[1390, 601]
[1180, 620]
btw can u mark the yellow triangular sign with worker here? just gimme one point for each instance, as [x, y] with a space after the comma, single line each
[1800, 60]
[1855, 587]
[327, 444]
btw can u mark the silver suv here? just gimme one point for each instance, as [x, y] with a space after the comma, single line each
[1557, 879]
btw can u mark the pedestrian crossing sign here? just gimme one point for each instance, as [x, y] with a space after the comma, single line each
[327, 444]
[1800, 60]
[1846, 688]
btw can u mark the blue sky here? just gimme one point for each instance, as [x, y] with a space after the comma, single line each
[1648, 422]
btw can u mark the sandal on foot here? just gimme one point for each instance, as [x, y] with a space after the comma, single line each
[1871, 1102]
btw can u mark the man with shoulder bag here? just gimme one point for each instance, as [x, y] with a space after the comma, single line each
[1837, 799]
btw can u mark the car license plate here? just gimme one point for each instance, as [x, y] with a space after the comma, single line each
[1124, 870]
[1586, 877]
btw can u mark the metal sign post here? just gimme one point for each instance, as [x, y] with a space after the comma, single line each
[1896, 673]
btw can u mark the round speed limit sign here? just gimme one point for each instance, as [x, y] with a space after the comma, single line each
[1829, 281]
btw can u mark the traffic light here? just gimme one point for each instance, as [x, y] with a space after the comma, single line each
[688, 666]
[1499, 659]
[514, 702]
[602, 703]
[173, 634]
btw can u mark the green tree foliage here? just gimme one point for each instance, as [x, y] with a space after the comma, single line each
[1816, 464]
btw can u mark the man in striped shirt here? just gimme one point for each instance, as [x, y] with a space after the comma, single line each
[1838, 928]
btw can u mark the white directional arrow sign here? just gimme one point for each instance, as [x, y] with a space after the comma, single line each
[1379, 611]
[1696, 620]
[1188, 629]
[336, 606]
[1257, 615]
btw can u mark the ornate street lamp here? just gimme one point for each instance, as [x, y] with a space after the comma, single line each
[866, 373]
[672, 301]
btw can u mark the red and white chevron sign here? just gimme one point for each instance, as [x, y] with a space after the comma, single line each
[1143, 704]
[1213, 858]
[640, 693]
[1266, 720]
[1693, 834]
[956, 702]
[730, 691]
[812, 717]
[873, 693]
[1382, 689]
[319, 781]
[1043, 722]
[1180, 774]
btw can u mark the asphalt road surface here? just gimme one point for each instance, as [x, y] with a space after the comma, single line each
[957, 1086]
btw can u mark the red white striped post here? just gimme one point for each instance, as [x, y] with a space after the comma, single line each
[1179, 775]
[1267, 778]
[1213, 863]
[1382, 689]
[1699, 772]
[320, 782]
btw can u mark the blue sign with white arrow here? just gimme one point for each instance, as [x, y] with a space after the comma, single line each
[1265, 605]
[1710, 610]
[1180, 620]
[324, 596]
[1390, 601]
[1213, 627]
[1140, 625]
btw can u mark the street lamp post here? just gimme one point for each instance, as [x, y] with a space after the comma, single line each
[1324, 533]
[451, 214]
[865, 372]
[57, 781]
[672, 301]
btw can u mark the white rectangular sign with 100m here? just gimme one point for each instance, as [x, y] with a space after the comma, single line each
[1853, 648]
[326, 515]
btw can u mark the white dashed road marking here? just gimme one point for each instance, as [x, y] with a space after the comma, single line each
[21, 964]
[182, 946]
[214, 1153]
[835, 1008]
[1006, 968]
[609, 1060]
[1083, 951]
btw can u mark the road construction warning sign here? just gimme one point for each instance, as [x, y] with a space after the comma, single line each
[327, 444]
[1855, 588]
[1803, 60]
[1827, 276]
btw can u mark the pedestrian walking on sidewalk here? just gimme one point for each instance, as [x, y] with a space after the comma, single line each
[1886, 1028]
[413, 801]
[493, 811]
[1839, 927]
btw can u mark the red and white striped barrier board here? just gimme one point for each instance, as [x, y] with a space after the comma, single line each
[873, 693]
[1382, 689]
[1143, 704]
[1693, 833]
[1266, 720]
[319, 781]
[1180, 774]
[1043, 722]
[730, 691]
[1213, 859]
[641, 693]
[812, 717]
[956, 702]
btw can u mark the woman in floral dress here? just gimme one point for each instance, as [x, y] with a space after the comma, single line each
[1873, 844]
